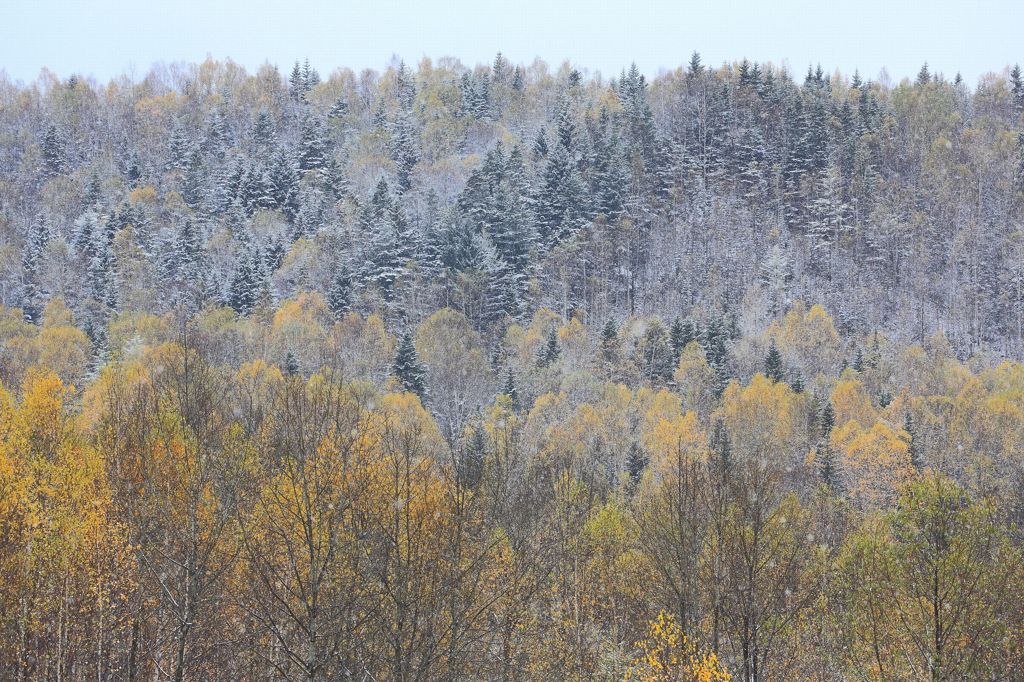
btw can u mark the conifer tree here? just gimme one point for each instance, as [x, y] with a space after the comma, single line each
[32, 297]
[829, 468]
[773, 363]
[550, 351]
[913, 448]
[313, 146]
[339, 295]
[473, 457]
[636, 462]
[680, 335]
[608, 345]
[408, 369]
[509, 388]
[291, 364]
[55, 158]
[264, 133]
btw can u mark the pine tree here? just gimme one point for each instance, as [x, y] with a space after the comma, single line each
[247, 283]
[773, 363]
[721, 447]
[653, 353]
[218, 134]
[278, 185]
[562, 203]
[518, 80]
[408, 369]
[550, 351]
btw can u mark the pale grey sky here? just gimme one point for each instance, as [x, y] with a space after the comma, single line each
[104, 38]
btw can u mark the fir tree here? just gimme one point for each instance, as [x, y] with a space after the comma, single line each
[408, 369]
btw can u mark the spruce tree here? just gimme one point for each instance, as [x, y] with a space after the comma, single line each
[313, 147]
[55, 158]
[827, 419]
[608, 345]
[680, 335]
[773, 363]
[291, 364]
[264, 133]
[858, 361]
[339, 295]
[408, 369]
[636, 462]
[550, 351]
[473, 457]
[828, 468]
[509, 388]
[913, 448]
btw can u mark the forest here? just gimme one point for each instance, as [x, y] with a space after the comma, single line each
[511, 372]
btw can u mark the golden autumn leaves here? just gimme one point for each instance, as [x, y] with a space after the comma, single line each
[184, 519]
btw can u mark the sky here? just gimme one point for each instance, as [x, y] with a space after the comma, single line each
[107, 38]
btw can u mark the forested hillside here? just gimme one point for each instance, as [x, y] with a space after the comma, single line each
[508, 373]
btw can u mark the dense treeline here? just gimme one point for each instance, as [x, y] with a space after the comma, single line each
[607, 506]
[504, 374]
[500, 189]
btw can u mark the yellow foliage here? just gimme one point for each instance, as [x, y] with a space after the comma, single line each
[760, 417]
[851, 402]
[876, 461]
[668, 655]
